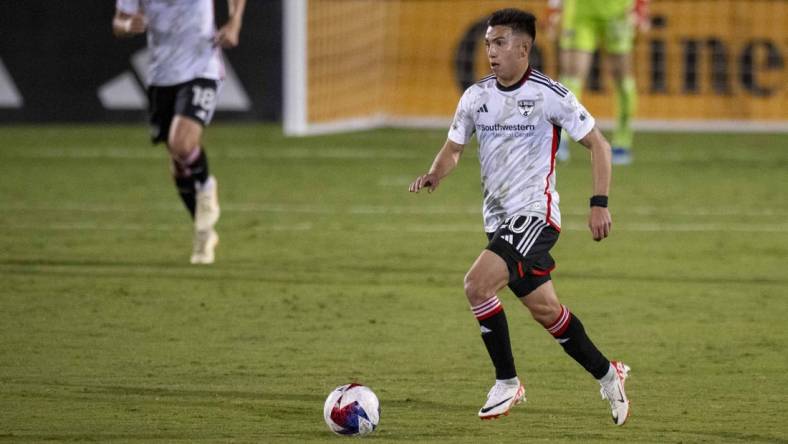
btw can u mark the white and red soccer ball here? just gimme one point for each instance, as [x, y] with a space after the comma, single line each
[352, 410]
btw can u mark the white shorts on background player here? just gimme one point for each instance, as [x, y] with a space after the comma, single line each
[518, 132]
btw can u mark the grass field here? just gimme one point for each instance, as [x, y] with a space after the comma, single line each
[329, 271]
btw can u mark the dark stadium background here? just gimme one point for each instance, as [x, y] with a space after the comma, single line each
[59, 53]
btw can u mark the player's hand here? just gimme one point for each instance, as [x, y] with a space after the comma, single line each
[135, 24]
[227, 35]
[599, 223]
[429, 181]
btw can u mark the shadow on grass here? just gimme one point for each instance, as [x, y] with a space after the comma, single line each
[728, 436]
[150, 270]
[703, 280]
[117, 391]
[246, 272]
[241, 272]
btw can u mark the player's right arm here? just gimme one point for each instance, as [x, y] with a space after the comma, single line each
[445, 161]
[462, 127]
[126, 24]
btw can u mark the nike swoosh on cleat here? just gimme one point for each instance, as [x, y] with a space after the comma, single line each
[485, 410]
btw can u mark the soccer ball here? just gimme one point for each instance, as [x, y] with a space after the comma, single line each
[352, 410]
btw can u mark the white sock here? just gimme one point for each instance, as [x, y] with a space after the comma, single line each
[207, 185]
[511, 381]
[609, 377]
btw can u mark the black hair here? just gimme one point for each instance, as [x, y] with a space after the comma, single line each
[518, 20]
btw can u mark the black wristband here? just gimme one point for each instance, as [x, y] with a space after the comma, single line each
[598, 201]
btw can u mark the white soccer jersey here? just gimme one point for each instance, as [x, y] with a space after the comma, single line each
[518, 129]
[180, 39]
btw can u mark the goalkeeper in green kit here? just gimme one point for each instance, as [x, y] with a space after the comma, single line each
[587, 25]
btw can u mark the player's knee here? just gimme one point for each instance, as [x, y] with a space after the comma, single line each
[545, 313]
[183, 139]
[181, 147]
[476, 291]
[543, 304]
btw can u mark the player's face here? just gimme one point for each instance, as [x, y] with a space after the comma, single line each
[507, 52]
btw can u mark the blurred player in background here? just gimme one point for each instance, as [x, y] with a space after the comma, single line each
[517, 114]
[587, 25]
[184, 78]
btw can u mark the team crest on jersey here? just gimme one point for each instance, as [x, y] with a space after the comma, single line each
[526, 107]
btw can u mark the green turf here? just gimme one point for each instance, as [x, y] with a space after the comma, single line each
[329, 271]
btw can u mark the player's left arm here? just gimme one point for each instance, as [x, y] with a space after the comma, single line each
[599, 221]
[228, 35]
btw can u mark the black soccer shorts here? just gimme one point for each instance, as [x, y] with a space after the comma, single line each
[195, 99]
[524, 243]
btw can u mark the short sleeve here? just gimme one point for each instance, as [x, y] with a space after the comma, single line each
[569, 114]
[462, 127]
[128, 6]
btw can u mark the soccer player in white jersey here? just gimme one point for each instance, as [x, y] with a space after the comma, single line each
[184, 77]
[517, 114]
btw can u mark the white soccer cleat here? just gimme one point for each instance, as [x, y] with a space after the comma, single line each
[207, 209]
[204, 244]
[501, 398]
[615, 394]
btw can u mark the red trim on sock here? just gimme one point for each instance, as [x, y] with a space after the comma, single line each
[559, 326]
[560, 315]
[490, 314]
[561, 332]
[487, 309]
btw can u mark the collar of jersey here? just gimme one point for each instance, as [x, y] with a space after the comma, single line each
[514, 86]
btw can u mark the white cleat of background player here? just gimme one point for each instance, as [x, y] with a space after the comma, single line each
[205, 217]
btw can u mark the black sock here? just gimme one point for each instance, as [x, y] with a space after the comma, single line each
[199, 166]
[187, 174]
[495, 334]
[569, 332]
[185, 186]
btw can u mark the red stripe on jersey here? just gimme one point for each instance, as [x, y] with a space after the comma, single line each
[553, 150]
